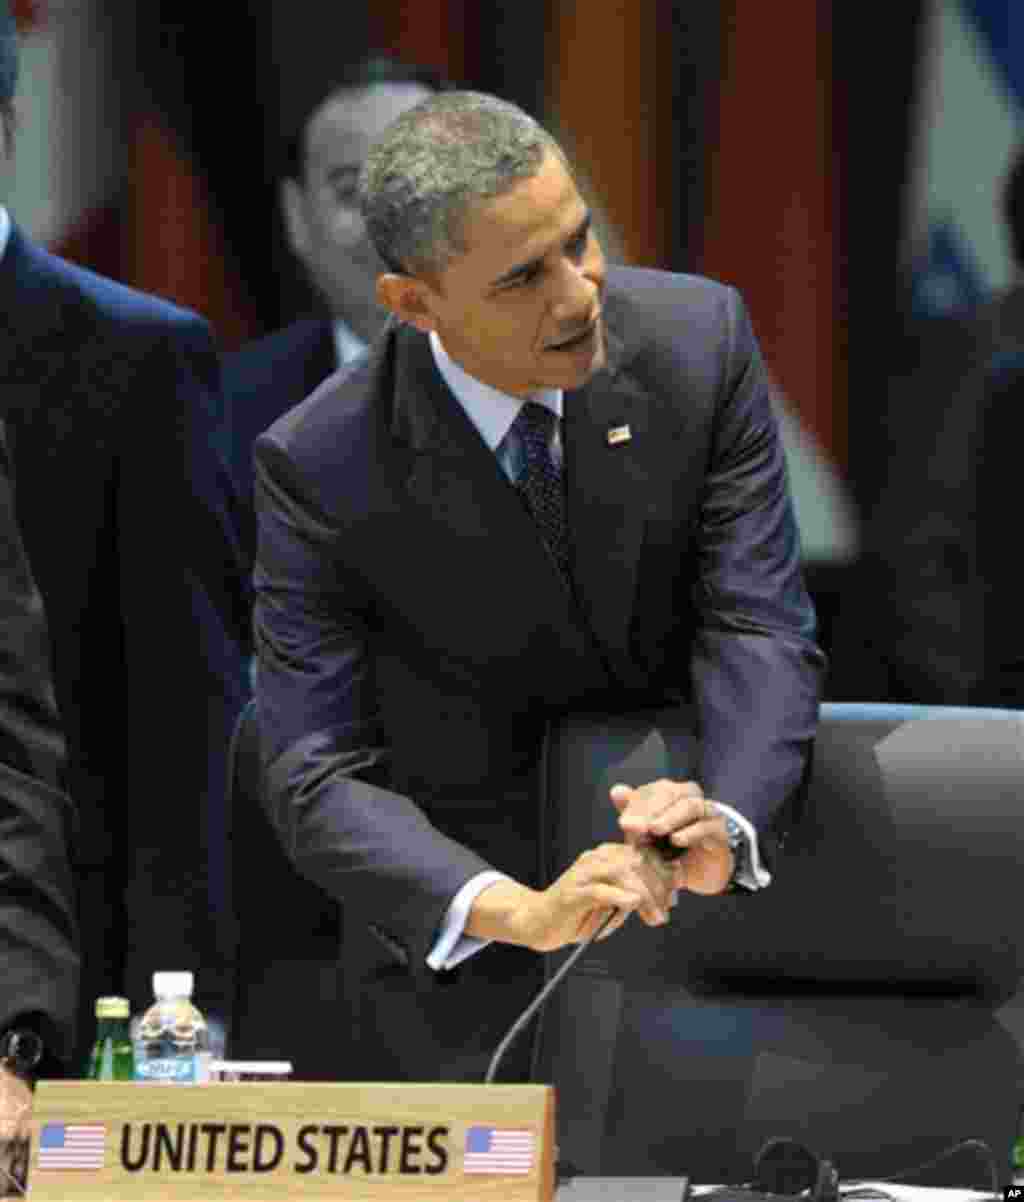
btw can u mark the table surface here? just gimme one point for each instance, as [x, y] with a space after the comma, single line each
[670, 1189]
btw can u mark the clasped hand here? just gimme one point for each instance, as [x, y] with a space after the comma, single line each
[630, 876]
[15, 1116]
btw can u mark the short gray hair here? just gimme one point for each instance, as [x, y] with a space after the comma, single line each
[433, 162]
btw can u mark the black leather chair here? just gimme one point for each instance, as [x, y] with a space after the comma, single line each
[851, 1005]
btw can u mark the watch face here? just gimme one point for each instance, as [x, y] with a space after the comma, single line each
[22, 1049]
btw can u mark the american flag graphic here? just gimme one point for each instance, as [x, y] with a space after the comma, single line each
[499, 1151]
[72, 1146]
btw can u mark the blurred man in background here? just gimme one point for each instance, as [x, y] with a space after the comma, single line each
[930, 613]
[326, 232]
[123, 504]
[38, 937]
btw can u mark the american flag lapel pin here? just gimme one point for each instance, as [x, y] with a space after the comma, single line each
[619, 434]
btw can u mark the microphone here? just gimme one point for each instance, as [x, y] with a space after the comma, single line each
[667, 851]
[660, 853]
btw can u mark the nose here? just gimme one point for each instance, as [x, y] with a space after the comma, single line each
[577, 293]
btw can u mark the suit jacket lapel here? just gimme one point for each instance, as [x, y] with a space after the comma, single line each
[608, 486]
[455, 476]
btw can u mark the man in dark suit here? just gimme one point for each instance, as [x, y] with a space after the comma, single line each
[109, 400]
[550, 486]
[930, 615]
[38, 935]
[326, 232]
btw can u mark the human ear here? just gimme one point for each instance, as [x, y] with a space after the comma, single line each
[294, 215]
[408, 298]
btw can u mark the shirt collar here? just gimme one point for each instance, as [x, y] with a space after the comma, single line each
[5, 230]
[347, 344]
[489, 409]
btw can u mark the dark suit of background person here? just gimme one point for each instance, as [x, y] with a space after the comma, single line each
[414, 635]
[930, 615]
[123, 502]
[263, 380]
[111, 411]
[326, 233]
[39, 964]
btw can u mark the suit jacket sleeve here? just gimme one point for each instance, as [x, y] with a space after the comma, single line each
[38, 936]
[325, 752]
[757, 673]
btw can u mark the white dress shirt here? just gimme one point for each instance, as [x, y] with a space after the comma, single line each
[347, 343]
[5, 230]
[492, 412]
[489, 409]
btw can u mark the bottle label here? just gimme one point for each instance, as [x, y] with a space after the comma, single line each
[106, 1072]
[173, 1069]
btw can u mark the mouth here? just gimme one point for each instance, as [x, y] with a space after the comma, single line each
[575, 341]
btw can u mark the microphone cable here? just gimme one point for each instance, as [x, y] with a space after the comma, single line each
[660, 854]
[540, 999]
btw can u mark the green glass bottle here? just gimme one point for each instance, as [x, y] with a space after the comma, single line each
[113, 1058]
[1017, 1152]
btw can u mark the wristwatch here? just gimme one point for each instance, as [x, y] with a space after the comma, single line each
[21, 1050]
[740, 849]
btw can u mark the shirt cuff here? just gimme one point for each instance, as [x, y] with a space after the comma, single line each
[752, 874]
[452, 946]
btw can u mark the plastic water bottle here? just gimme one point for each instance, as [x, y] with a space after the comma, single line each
[172, 1043]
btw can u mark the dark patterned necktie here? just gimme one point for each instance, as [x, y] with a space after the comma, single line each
[540, 482]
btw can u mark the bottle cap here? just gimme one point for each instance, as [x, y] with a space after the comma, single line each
[172, 984]
[112, 1007]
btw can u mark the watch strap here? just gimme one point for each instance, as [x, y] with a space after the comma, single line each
[740, 848]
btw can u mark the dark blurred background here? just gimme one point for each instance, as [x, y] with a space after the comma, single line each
[789, 150]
